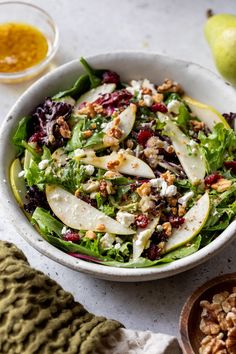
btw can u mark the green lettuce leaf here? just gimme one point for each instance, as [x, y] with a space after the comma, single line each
[218, 147]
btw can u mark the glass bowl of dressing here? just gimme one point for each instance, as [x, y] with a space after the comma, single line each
[28, 40]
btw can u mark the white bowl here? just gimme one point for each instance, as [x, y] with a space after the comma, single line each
[197, 82]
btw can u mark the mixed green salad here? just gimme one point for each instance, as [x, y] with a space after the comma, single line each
[125, 174]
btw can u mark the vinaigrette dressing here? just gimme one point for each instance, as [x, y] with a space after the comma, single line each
[21, 46]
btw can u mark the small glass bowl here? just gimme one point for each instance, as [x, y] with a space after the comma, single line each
[22, 12]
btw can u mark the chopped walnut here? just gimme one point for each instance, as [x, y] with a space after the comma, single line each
[231, 341]
[129, 144]
[144, 189]
[219, 298]
[91, 235]
[151, 155]
[231, 319]
[141, 103]
[106, 188]
[181, 210]
[222, 185]
[101, 227]
[64, 128]
[209, 323]
[213, 345]
[87, 134]
[88, 110]
[93, 126]
[174, 210]
[170, 149]
[112, 165]
[98, 108]
[155, 143]
[197, 126]
[229, 303]
[167, 228]
[168, 177]
[172, 201]
[169, 86]
[158, 98]
[146, 91]
[115, 132]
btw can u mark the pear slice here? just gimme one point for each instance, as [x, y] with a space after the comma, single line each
[142, 237]
[79, 215]
[193, 164]
[93, 94]
[209, 115]
[17, 183]
[121, 162]
[127, 120]
[195, 219]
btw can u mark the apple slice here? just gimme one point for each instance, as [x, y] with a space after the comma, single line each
[195, 219]
[17, 183]
[80, 215]
[142, 237]
[121, 162]
[209, 115]
[93, 94]
[193, 164]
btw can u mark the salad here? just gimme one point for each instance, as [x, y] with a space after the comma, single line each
[130, 174]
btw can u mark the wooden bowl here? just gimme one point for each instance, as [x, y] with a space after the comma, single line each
[190, 317]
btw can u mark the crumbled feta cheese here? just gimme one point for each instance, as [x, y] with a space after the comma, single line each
[193, 145]
[164, 187]
[148, 100]
[171, 191]
[156, 182]
[107, 240]
[21, 174]
[79, 153]
[147, 84]
[159, 228]
[140, 242]
[89, 169]
[185, 198]
[173, 106]
[125, 218]
[43, 164]
[117, 246]
[64, 230]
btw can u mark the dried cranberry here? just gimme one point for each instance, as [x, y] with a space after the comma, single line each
[110, 77]
[144, 135]
[71, 236]
[159, 236]
[159, 107]
[141, 221]
[213, 178]
[153, 252]
[176, 221]
[230, 165]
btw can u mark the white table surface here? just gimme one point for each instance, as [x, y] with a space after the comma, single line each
[169, 27]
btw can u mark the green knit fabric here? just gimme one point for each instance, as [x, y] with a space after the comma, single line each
[38, 317]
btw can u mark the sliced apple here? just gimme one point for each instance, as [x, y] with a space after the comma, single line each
[142, 237]
[193, 164]
[195, 219]
[79, 215]
[120, 162]
[17, 183]
[209, 115]
[93, 94]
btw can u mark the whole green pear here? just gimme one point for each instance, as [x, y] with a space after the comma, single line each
[220, 32]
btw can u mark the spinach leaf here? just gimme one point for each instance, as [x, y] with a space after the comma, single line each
[80, 86]
[21, 134]
[77, 137]
[217, 147]
[96, 140]
[94, 78]
[47, 224]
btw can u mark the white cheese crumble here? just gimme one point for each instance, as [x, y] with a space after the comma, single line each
[64, 230]
[21, 174]
[117, 246]
[166, 191]
[107, 240]
[148, 100]
[171, 191]
[125, 218]
[185, 198]
[173, 106]
[193, 145]
[43, 164]
[89, 169]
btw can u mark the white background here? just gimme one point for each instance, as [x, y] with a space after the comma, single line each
[168, 27]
